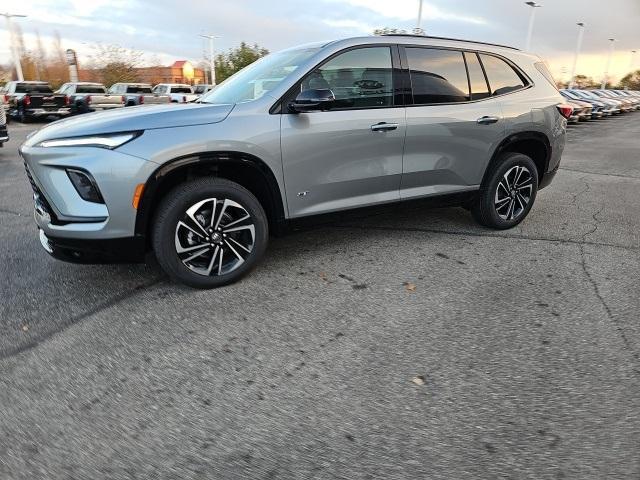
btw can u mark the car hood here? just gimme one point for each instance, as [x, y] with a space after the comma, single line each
[144, 117]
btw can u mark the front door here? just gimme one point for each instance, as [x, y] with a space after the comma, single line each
[351, 155]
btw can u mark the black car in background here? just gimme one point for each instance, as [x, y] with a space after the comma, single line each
[29, 100]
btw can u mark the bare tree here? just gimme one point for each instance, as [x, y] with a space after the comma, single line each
[115, 63]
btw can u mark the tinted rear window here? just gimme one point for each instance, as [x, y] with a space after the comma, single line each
[33, 88]
[502, 77]
[90, 89]
[180, 90]
[437, 76]
[138, 89]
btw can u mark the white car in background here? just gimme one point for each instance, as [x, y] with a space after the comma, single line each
[179, 92]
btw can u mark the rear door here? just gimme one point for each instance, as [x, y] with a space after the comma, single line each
[351, 155]
[453, 124]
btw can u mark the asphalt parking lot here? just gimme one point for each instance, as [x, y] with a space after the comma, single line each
[409, 344]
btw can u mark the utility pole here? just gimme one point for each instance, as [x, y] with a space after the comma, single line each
[606, 73]
[532, 19]
[12, 43]
[575, 59]
[211, 57]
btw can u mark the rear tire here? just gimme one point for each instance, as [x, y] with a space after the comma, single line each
[209, 232]
[507, 193]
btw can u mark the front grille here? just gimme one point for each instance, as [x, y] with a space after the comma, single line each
[38, 192]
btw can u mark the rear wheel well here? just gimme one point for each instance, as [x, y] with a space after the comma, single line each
[245, 170]
[534, 145]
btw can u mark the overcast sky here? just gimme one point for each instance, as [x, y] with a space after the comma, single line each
[169, 29]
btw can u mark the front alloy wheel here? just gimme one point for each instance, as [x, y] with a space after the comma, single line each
[215, 236]
[209, 232]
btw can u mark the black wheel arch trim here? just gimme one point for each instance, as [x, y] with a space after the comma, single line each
[518, 137]
[155, 181]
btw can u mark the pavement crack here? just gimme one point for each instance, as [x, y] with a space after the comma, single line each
[11, 212]
[486, 235]
[612, 318]
[617, 175]
[79, 318]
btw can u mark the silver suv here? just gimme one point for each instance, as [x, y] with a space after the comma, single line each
[309, 130]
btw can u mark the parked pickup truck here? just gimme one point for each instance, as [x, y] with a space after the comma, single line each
[179, 93]
[137, 94]
[90, 97]
[4, 134]
[29, 100]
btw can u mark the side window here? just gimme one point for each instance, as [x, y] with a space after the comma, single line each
[358, 78]
[437, 76]
[502, 77]
[477, 80]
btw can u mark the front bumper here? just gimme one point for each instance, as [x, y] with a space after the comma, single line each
[60, 211]
[114, 250]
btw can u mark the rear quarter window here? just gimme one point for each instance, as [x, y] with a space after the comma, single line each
[542, 68]
[502, 77]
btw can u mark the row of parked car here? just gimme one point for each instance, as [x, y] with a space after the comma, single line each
[592, 104]
[29, 99]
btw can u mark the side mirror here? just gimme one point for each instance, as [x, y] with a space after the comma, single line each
[313, 99]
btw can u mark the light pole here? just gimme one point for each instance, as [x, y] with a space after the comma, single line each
[606, 72]
[575, 59]
[418, 25]
[211, 57]
[12, 45]
[632, 61]
[532, 19]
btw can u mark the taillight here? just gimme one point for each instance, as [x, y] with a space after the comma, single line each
[122, 99]
[67, 100]
[565, 110]
[184, 99]
[88, 98]
[141, 99]
[6, 98]
[27, 100]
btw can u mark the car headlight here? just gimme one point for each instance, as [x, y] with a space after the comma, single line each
[108, 140]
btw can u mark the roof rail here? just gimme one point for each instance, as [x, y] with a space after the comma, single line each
[445, 38]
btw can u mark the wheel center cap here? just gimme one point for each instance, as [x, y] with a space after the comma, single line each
[216, 237]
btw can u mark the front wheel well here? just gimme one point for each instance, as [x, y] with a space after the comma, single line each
[246, 170]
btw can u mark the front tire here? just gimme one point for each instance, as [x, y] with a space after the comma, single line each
[209, 232]
[507, 193]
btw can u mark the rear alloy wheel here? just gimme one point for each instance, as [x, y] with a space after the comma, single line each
[513, 193]
[209, 232]
[507, 193]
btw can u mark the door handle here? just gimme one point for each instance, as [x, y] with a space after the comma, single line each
[486, 120]
[383, 127]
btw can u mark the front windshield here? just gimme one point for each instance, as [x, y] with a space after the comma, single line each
[253, 81]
